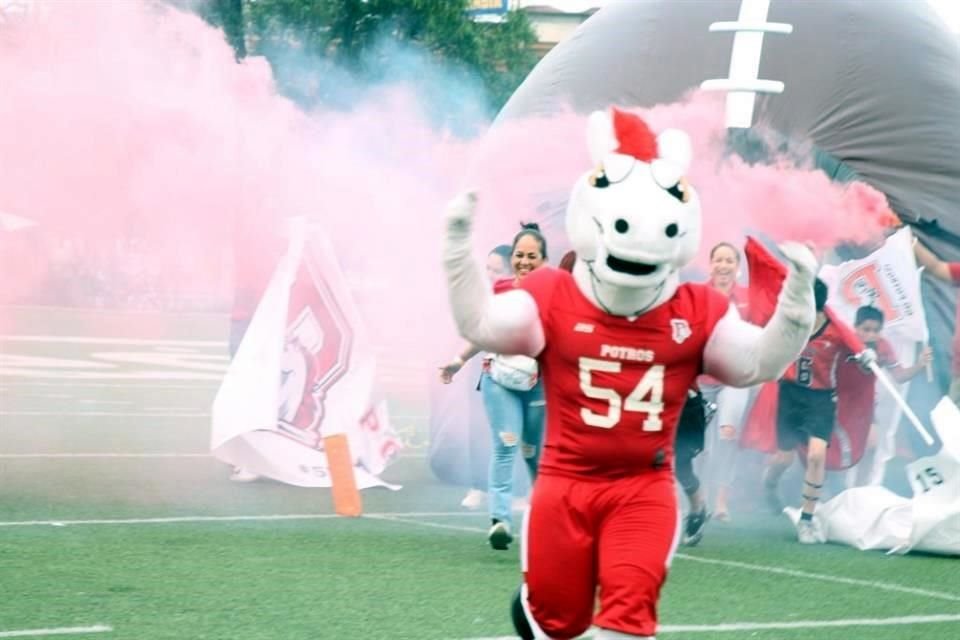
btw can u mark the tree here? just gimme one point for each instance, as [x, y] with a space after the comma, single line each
[313, 43]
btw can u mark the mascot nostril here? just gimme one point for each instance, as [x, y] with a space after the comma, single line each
[672, 230]
[621, 225]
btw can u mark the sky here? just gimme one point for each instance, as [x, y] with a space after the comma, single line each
[948, 9]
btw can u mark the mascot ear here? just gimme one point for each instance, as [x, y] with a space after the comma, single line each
[674, 146]
[601, 138]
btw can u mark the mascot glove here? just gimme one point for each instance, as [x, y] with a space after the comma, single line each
[801, 258]
[460, 213]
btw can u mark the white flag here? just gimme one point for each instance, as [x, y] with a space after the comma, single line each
[887, 279]
[304, 371]
[876, 518]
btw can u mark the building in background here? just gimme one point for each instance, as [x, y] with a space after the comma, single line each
[553, 22]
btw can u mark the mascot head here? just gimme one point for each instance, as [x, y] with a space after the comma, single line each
[634, 220]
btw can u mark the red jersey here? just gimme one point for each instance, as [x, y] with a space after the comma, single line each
[504, 284]
[816, 368]
[615, 387]
[740, 299]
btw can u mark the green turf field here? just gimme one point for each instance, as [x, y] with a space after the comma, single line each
[115, 524]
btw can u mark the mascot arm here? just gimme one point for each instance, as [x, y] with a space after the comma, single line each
[741, 354]
[508, 323]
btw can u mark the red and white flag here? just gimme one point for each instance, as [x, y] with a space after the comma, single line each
[887, 279]
[304, 371]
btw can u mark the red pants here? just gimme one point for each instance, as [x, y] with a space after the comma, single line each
[615, 534]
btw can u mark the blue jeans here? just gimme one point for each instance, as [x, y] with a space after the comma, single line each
[516, 422]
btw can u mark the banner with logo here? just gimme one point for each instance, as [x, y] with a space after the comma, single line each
[887, 279]
[304, 371]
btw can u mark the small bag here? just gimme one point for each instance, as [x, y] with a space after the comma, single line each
[519, 373]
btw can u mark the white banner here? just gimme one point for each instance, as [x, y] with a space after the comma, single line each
[875, 518]
[304, 371]
[887, 279]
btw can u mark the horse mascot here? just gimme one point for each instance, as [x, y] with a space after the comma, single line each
[619, 342]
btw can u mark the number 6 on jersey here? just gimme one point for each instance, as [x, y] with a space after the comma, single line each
[646, 397]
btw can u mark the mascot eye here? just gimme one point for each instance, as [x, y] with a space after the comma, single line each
[672, 230]
[599, 179]
[680, 191]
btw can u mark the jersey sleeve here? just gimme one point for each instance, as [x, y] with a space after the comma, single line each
[886, 356]
[541, 284]
[714, 306]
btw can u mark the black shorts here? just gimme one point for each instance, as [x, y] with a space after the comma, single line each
[691, 428]
[804, 413]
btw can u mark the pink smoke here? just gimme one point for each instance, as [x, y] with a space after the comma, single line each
[131, 119]
[527, 162]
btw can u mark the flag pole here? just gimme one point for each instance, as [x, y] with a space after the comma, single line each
[892, 390]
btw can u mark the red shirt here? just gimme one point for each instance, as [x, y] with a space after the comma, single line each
[504, 284]
[886, 356]
[740, 299]
[955, 276]
[816, 368]
[614, 387]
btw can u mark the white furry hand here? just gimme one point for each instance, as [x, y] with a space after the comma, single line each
[800, 257]
[460, 212]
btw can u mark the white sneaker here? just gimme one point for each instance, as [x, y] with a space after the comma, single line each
[808, 532]
[474, 499]
[499, 536]
[242, 475]
[519, 504]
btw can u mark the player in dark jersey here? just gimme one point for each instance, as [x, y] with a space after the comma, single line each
[806, 414]
[694, 418]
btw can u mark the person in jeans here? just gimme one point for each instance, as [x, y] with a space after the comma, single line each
[478, 453]
[512, 396]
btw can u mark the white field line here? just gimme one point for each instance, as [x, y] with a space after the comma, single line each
[118, 341]
[59, 631]
[405, 518]
[104, 414]
[64, 455]
[43, 456]
[420, 523]
[823, 577]
[794, 573]
[199, 384]
[797, 624]
[257, 518]
[172, 412]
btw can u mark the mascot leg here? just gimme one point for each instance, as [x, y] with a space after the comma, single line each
[638, 541]
[523, 622]
[558, 561]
